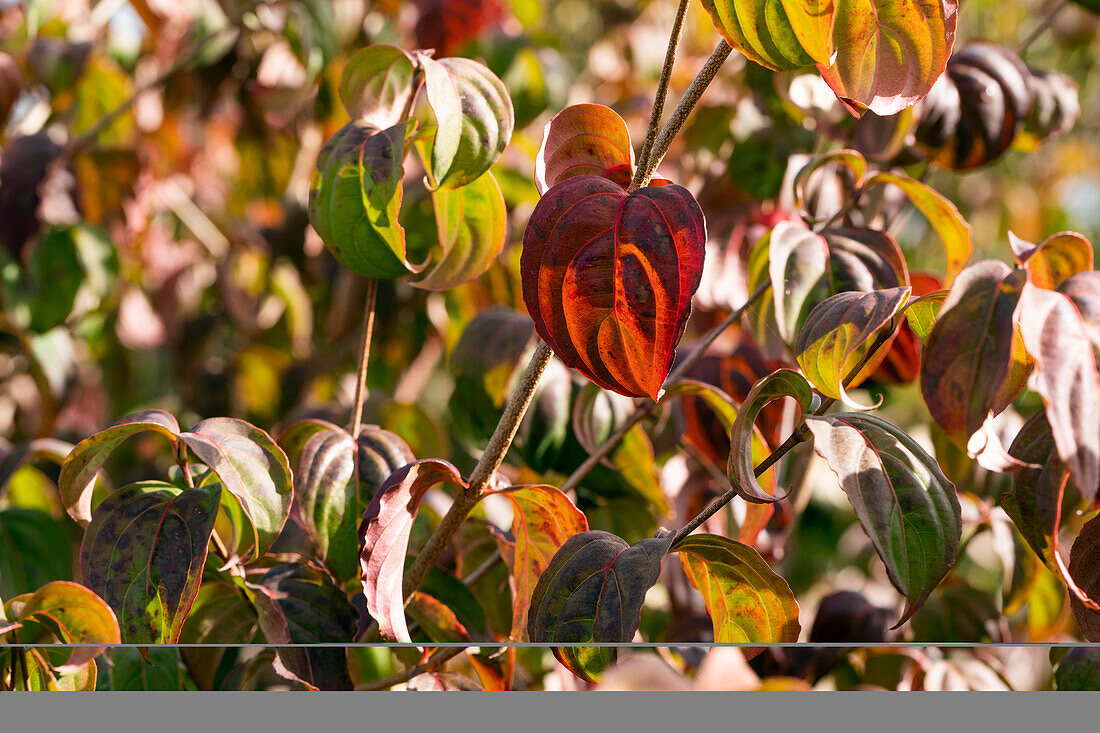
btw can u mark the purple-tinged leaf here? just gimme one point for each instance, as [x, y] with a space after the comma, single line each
[144, 552]
[583, 139]
[384, 540]
[1084, 568]
[592, 592]
[903, 501]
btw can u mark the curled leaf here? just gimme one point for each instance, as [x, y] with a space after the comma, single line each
[72, 614]
[1053, 260]
[376, 84]
[780, 383]
[384, 540]
[608, 278]
[904, 503]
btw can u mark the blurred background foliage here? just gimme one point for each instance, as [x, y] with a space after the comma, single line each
[158, 254]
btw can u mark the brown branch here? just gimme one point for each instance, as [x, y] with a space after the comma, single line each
[435, 661]
[356, 425]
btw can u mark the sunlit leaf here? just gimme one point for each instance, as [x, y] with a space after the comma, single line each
[1057, 257]
[608, 278]
[584, 139]
[747, 601]
[903, 501]
[376, 84]
[72, 614]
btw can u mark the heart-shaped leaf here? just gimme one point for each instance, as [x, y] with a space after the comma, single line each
[299, 604]
[355, 197]
[969, 352]
[252, 467]
[384, 540]
[474, 118]
[591, 592]
[543, 518]
[839, 332]
[471, 224]
[1059, 330]
[889, 53]
[584, 139]
[79, 470]
[1056, 258]
[902, 499]
[746, 600]
[71, 614]
[608, 278]
[376, 84]
[1084, 568]
[741, 470]
[144, 553]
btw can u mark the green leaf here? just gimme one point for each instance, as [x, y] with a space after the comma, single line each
[903, 501]
[252, 467]
[921, 313]
[355, 197]
[779, 34]
[968, 355]
[780, 383]
[839, 333]
[299, 604]
[592, 592]
[127, 670]
[376, 84]
[543, 518]
[144, 553]
[945, 219]
[220, 615]
[78, 472]
[637, 466]
[798, 259]
[471, 224]
[1034, 502]
[746, 600]
[1080, 668]
[34, 550]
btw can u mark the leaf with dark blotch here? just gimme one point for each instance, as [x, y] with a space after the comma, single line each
[839, 332]
[608, 278]
[968, 355]
[904, 503]
[220, 615]
[144, 553]
[746, 600]
[889, 53]
[582, 139]
[384, 540]
[1057, 335]
[943, 216]
[298, 603]
[1084, 568]
[474, 119]
[1079, 669]
[71, 614]
[543, 518]
[252, 467]
[1053, 260]
[471, 226]
[592, 592]
[355, 197]
[741, 468]
[376, 84]
[79, 470]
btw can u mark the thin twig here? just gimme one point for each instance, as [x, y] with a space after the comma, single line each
[1045, 23]
[645, 409]
[435, 661]
[364, 355]
[680, 114]
[659, 99]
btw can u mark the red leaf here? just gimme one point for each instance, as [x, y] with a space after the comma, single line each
[584, 139]
[608, 278]
[384, 539]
